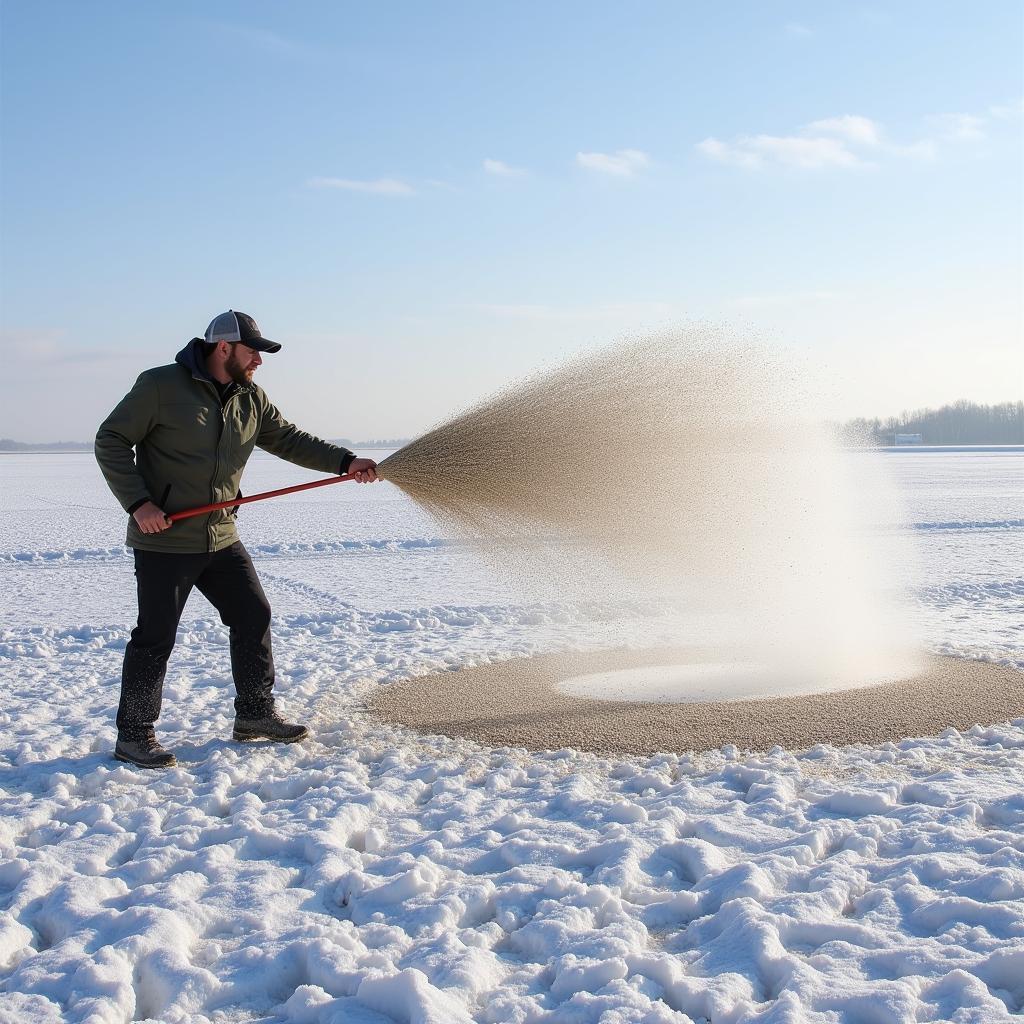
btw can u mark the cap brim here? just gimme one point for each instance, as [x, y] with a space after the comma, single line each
[263, 345]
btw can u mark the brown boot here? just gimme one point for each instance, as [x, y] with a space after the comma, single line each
[145, 752]
[269, 727]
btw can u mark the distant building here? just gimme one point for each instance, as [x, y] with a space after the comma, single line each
[909, 439]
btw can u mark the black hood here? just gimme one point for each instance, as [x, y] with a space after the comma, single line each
[192, 358]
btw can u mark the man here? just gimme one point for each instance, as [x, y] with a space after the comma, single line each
[193, 425]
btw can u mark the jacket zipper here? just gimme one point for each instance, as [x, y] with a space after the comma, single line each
[216, 471]
[216, 467]
[220, 444]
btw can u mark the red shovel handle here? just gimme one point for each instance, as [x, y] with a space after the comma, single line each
[204, 509]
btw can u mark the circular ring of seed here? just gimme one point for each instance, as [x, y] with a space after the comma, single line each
[519, 703]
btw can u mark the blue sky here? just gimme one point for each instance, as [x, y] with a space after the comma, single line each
[423, 202]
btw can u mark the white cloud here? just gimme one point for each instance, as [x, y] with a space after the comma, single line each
[798, 30]
[797, 151]
[958, 127]
[829, 142]
[379, 186]
[623, 163]
[730, 153]
[503, 170]
[789, 150]
[852, 127]
[848, 140]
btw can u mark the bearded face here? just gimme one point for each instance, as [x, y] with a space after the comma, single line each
[241, 363]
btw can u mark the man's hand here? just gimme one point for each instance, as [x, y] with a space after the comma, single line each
[364, 470]
[151, 518]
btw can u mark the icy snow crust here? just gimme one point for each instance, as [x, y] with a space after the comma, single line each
[374, 876]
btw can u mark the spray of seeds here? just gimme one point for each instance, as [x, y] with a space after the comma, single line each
[678, 464]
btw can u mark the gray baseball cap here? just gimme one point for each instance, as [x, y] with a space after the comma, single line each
[233, 327]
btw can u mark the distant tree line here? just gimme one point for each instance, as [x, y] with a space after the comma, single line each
[7, 445]
[960, 423]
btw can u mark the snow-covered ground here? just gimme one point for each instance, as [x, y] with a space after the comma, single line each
[372, 876]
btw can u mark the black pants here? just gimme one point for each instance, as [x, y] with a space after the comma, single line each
[228, 580]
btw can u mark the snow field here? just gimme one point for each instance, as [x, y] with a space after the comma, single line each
[373, 876]
[364, 878]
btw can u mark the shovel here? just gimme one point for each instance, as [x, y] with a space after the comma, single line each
[204, 509]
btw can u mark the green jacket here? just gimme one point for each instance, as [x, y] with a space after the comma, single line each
[191, 448]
